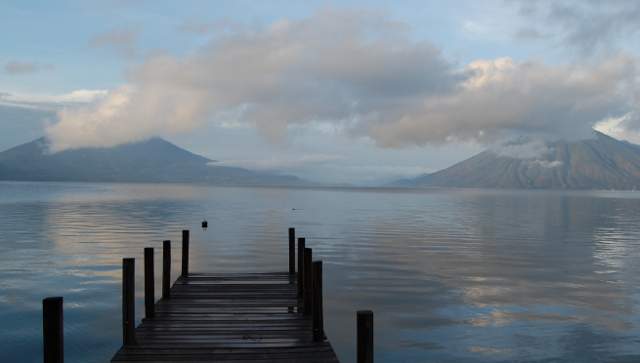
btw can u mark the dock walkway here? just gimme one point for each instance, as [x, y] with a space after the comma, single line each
[226, 317]
[241, 317]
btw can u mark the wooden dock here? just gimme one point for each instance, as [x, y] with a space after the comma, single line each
[222, 317]
[228, 318]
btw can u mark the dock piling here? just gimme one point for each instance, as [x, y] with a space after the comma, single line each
[128, 302]
[318, 318]
[185, 252]
[52, 330]
[301, 247]
[149, 288]
[292, 251]
[365, 336]
[166, 269]
[292, 260]
[308, 280]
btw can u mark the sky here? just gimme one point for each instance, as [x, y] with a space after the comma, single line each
[348, 92]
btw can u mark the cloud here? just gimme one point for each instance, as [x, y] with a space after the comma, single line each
[52, 101]
[523, 148]
[208, 27]
[282, 163]
[375, 175]
[626, 127]
[505, 99]
[588, 26]
[19, 67]
[121, 41]
[548, 163]
[360, 71]
[337, 66]
[530, 34]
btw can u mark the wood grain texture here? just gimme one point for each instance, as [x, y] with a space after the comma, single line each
[235, 317]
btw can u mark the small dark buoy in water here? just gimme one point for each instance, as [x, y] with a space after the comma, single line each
[205, 224]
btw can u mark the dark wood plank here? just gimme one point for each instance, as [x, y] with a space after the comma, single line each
[235, 317]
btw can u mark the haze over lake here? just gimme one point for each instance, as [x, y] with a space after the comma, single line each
[452, 275]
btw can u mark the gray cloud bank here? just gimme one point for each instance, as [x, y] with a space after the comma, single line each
[587, 25]
[21, 67]
[363, 73]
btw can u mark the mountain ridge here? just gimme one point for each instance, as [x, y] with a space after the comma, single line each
[602, 162]
[151, 160]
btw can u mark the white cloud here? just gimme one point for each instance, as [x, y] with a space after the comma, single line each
[51, 101]
[521, 149]
[360, 72]
[333, 66]
[624, 127]
[505, 98]
[94, 124]
[548, 163]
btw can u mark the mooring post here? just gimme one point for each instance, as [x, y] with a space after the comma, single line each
[185, 253]
[166, 269]
[365, 336]
[292, 260]
[318, 318]
[128, 301]
[52, 330]
[301, 247]
[308, 280]
[149, 288]
[292, 252]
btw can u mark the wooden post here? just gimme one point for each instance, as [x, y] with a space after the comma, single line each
[292, 259]
[149, 282]
[301, 246]
[308, 280]
[365, 336]
[292, 251]
[318, 318]
[128, 301]
[185, 253]
[52, 330]
[166, 269]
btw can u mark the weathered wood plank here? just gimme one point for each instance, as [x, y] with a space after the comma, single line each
[236, 317]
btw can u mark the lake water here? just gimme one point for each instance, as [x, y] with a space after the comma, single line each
[452, 275]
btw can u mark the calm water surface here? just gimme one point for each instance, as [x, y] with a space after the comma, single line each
[453, 276]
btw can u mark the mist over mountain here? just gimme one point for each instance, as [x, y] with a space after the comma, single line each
[153, 160]
[601, 162]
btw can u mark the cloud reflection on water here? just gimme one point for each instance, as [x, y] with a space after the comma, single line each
[453, 276]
